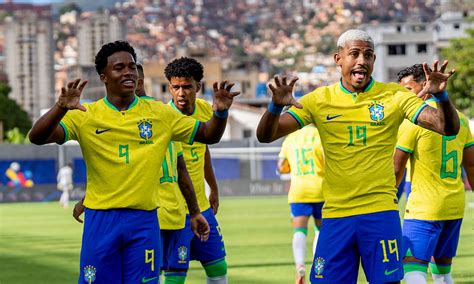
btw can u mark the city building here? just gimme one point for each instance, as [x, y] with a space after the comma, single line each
[28, 55]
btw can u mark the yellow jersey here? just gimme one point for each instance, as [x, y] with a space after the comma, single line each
[358, 133]
[123, 150]
[304, 153]
[172, 212]
[194, 154]
[437, 189]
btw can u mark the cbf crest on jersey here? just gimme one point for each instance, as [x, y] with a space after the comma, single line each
[182, 254]
[319, 263]
[89, 273]
[145, 130]
[376, 110]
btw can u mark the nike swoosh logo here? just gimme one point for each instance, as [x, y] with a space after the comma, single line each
[97, 131]
[145, 280]
[390, 272]
[328, 117]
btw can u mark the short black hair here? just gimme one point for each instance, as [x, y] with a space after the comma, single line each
[110, 48]
[415, 70]
[185, 67]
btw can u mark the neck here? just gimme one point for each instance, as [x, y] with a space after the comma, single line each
[351, 89]
[188, 110]
[121, 103]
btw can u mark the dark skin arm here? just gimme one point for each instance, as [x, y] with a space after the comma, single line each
[271, 126]
[211, 131]
[468, 164]
[78, 210]
[211, 181]
[199, 224]
[443, 120]
[400, 159]
[46, 129]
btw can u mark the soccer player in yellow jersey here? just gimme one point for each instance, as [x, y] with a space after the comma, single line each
[303, 152]
[358, 119]
[184, 76]
[435, 208]
[123, 141]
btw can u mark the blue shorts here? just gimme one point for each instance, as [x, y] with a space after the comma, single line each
[374, 238]
[307, 209]
[176, 248]
[431, 238]
[213, 248]
[120, 246]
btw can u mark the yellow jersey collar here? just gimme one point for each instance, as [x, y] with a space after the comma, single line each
[366, 89]
[177, 109]
[131, 105]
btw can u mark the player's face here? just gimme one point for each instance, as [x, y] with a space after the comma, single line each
[183, 90]
[412, 85]
[356, 60]
[120, 74]
[140, 87]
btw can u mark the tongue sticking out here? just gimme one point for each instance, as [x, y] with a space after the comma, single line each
[359, 76]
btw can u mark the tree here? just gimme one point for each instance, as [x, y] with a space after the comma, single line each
[70, 7]
[461, 84]
[12, 115]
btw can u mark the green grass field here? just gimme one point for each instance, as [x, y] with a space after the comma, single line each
[40, 243]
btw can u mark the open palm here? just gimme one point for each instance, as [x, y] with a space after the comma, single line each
[71, 95]
[282, 93]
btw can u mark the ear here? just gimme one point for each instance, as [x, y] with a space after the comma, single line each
[198, 87]
[337, 59]
[103, 78]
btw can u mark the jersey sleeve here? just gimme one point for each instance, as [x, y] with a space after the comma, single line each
[72, 122]
[410, 105]
[304, 115]
[469, 140]
[407, 136]
[183, 128]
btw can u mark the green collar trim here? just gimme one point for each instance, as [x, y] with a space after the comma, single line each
[131, 105]
[366, 89]
[177, 109]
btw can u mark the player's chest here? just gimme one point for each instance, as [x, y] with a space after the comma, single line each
[194, 154]
[135, 130]
[358, 120]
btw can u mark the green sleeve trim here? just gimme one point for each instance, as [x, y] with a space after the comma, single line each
[404, 149]
[196, 128]
[470, 144]
[415, 266]
[180, 154]
[440, 269]
[302, 230]
[66, 132]
[297, 118]
[417, 113]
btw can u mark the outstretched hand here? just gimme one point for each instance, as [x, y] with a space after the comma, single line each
[71, 95]
[436, 80]
[200, 227]
[282, 93]
[223, 97]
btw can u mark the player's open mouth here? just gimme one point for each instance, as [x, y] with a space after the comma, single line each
[359, 75]
[128, 83]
